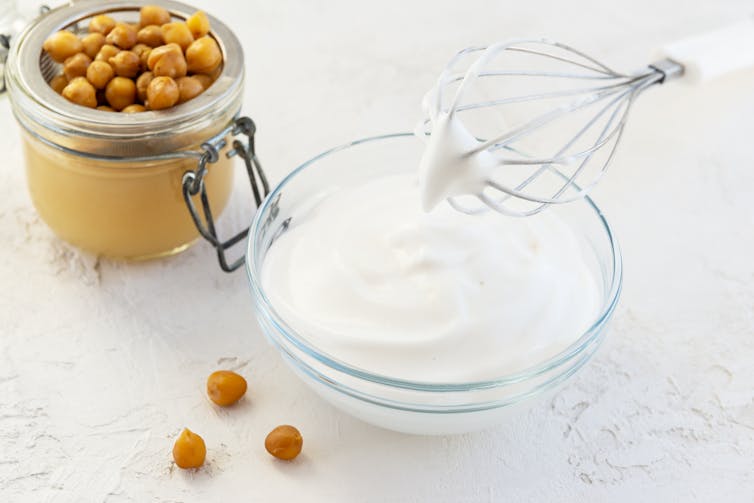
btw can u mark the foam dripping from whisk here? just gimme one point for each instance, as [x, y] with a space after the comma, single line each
[452, 163]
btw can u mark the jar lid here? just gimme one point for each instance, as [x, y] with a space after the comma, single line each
[55, 120]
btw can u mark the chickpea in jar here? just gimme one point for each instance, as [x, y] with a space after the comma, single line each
[106, 52]
[198, 24]
[58, 82]
[143, 51]
[81, 92]
[125, 64]
[142, 83]
[76, 65]
[120, 92]
[203, 56]
[188, 88]
[177, 33]
[162, 92]
[99, 74]
[153, 15]
[101, 24]
[62, 45]
[92, 43]
[123, 35]
[135, 108]
[150, 35]
[167, 61]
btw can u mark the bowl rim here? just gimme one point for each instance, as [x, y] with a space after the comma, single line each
[264, 305]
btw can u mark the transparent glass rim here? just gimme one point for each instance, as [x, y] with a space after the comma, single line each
[253, 270]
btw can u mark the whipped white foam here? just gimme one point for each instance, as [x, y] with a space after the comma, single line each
[448, 168]
[451, 165]
[369, 277]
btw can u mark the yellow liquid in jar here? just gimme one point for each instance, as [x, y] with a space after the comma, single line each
[119, 209]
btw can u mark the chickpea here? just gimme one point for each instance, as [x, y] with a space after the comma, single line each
[142, 83]
[120, 92]
[101, 24]
[150, 35]
[203, 56]
[162, 92]
[107, 52]
[153, 14]
[92, 43]
[99, 74]
[225, 387]
[198, 24]
[284, 442]
[167, 61]
[188, 88]
[81, 92]
[76, 66]
[189, 450]
[62, 45]
[58, 82]
[126, 64]
[205, 80]
[142, 50]
[135, 108]
[123, 35]
[177, 33]
[105, 108]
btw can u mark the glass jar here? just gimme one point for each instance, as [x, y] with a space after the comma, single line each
[119, 184]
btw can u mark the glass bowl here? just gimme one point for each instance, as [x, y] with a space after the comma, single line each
[397, 404]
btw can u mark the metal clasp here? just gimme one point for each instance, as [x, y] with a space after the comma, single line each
[4, 48]
[193, 184]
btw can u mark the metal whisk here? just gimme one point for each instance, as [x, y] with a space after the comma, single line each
[551, 115]
[576, 110]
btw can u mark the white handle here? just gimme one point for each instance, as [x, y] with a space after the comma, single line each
[714, 54]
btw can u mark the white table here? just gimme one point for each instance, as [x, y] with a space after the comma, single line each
[102, 363]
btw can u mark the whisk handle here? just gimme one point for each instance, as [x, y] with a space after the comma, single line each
[710, 55]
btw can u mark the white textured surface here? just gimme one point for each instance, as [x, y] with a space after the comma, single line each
[102, 363]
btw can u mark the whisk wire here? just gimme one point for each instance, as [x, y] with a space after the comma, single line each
[541, 120]
[601, 68]
[602, 140]
[570, 180]
[539, 96]
[613, 94]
